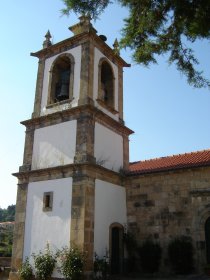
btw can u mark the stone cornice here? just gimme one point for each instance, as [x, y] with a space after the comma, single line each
[75, 113]
[70, 170]
[166, 172]
[76, 41]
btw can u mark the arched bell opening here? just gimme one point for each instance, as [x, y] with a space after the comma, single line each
[61, 79]
[106, 84]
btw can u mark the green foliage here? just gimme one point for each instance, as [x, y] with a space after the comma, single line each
[180, 252]
[131, 247]
[101, 267]
[44, 264]
[150, 256]
[7, 215]
[25, 272]
[92, 8]
[72, 261]
[6, 240]
[156, 28]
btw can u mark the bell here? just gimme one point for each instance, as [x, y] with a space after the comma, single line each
[64, 92]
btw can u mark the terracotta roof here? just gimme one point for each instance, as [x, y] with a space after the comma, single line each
[188, 160]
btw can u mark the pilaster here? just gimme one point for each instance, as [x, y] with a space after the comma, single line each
[28, 150]
[125, 153]
[120, 93]
[82, 215]
[39, 86]
[18, 237]
[86, 74]
[85, 139]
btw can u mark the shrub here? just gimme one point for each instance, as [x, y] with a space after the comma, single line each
[180, 252]
[101, 267]
[44, 264]
[150, 256]
[72, 262]
[25, 272]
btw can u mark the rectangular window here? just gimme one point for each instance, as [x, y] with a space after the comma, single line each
[47, 201]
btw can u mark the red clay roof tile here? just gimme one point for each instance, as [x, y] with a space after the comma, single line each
[188, 160]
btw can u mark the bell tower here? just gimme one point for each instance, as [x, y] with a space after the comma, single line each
[70, 186]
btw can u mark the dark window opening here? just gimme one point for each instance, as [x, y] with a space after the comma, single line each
[107, 84]
[61, 80]
[47, 201]
[207, 235]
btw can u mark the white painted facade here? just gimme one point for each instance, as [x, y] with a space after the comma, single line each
[110, 207]
[108, 149]
[76, 52]
[97, 56]
[51, 227]
[54, 145]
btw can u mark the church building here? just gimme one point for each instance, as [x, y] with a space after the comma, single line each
[76, 184]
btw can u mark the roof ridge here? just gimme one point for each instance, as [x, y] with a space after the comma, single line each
[171, 156]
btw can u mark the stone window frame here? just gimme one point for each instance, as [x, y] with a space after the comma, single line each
[100, 98]
[50, 98]
[47, 201]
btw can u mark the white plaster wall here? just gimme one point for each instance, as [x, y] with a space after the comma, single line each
[76, 52]
[48, 227]
[54, 145]
[110, 207]
[97, 56]
[108, 149]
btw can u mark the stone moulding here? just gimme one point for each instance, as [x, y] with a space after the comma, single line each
[71, 170]
[75, 113]
[76, 41]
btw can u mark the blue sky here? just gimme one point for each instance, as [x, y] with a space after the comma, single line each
[168, 116]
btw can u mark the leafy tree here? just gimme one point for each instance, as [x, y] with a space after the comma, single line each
[7, 215]
[157, 27]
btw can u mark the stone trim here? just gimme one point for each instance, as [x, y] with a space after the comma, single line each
[168, 171]
[85, 139]
[69, 170]
[86, 72]
[120, 92]
[78, 40]
[19, 230]
[28, 148]
[108, 108]
[39, 87]
[82, 216]
[71, 82]
[73, 114]
[100, 97]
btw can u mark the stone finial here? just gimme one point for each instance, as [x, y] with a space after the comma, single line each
[116, 47]
[83, 26]
[47, 42]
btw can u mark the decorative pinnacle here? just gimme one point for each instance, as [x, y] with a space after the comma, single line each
[116, 47]
[47, 42]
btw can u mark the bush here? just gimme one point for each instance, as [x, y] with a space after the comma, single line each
[150, 256]
[180, 252]
[72, 262]
[101, 267]
[44, 264]
[25, 272]
[131, 247]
